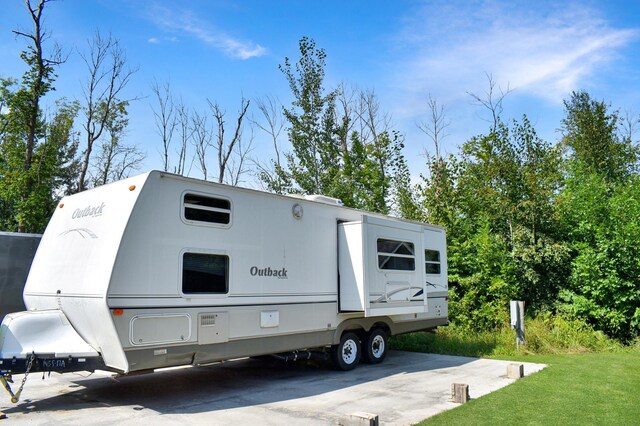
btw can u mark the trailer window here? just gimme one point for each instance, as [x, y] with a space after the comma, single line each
[396, 255]
[205, 273]
[207, 209]
[432, 261]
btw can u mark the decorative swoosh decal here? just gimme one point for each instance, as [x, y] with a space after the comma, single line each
[84, 232]
[386, 297]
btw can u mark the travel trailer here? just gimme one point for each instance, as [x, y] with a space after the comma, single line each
[160, 270]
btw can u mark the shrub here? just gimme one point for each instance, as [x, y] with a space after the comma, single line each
[545, 334]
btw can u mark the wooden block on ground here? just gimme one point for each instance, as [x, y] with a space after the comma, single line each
[361, 419]
[515, 371]
[460, 393]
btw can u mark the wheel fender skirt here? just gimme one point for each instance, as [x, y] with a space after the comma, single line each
[41, 332]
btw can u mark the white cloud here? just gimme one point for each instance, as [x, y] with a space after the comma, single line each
[185, 22]
[533, 48]
[153, 40]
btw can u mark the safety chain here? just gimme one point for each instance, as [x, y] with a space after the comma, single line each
[16, 397]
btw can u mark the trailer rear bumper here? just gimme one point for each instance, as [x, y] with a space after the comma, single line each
[47, 363]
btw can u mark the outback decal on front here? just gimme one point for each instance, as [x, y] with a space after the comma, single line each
[268, 272]
[89, 211]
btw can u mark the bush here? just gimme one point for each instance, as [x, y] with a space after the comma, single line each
[549, 334]
[545, 334]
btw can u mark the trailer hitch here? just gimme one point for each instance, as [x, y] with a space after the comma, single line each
[5, 380]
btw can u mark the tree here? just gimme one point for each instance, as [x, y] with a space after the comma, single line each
[404, 202]
[52, 168]
[343, 144]
[435, 127]
[371, 153]
[185, 133]
[497, 200]
[226, 147]
[492, 101]
[106, 64]
[314, 163]
[601, 210]
[36, 148]
[116, 160]
[272, 173]
[39, 78]
[590, 131]
[165, 118]
[438, 189]
[202, 137]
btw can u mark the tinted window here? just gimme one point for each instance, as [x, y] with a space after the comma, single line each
[432, 261]
[396, 255]
[207, 209]
[395, 247]
[396, 263]
[205, 273]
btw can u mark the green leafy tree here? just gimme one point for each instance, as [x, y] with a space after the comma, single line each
[497, 201]
[37, 80]
[480, 277]
[349, 153]
[438, 192]
[590, 132]
[314, 163]
[604, 288]
[403, 198]
[600, 208]
[373, 176]
[53, 168]
[36, 151]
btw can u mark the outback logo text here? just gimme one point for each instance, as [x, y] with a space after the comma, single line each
[90, 210]
[268, 272]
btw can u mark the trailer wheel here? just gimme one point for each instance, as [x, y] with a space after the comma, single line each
[375, 349]
[346, 355]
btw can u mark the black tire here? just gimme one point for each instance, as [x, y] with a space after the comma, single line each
[375, 346]
[346, 355]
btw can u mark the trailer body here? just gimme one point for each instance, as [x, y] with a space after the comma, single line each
[160, 270]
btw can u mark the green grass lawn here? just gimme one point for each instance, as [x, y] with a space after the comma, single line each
[576, 389]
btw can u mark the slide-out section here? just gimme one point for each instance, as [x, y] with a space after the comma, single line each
[380, 263]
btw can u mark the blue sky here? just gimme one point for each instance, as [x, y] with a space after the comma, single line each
[404, 50]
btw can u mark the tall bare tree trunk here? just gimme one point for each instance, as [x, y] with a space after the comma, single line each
[39, 83]
[108, 76]
[225, 150]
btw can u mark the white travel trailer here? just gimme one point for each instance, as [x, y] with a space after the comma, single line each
[159, 270]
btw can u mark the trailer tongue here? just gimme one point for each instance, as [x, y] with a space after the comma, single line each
[32, 341]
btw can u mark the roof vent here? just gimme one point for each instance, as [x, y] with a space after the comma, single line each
[325, 200]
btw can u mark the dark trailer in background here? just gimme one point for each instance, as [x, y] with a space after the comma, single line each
[16, 255]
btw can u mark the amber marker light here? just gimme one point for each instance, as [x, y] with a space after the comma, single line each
[61, 205]
[118, 311]
[132, 187]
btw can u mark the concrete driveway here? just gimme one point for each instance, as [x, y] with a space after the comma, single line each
[405, 389]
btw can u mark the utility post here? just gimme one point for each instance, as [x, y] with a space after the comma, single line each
[517, 321]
